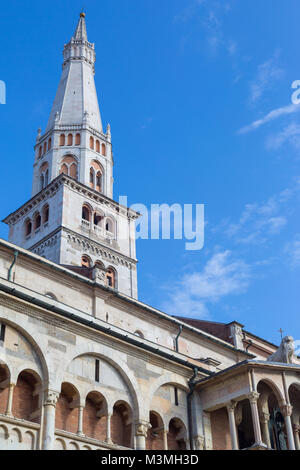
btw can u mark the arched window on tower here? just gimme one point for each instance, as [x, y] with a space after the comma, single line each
[77, 139]
[97, 179]
[40, 151]
[44, 175]
[92, 178]
[62, 140]
[68, 166]
[42, 181]
[111, 278]
[28, 228]
[37, 221]
[70, 139]
[92, 144]
[45, 213]
[98, 219]
[45, 147]
[86, 213]
[109, 226]
[97, 146]
[49, 144]
[103, 150]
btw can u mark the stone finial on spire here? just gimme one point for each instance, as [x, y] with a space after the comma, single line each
[81, 33]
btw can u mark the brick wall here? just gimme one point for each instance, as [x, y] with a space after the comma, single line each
[220, 430]
[153, 442]
[92, 425]
[66, 419]
[120, 432]
[24, 403]
[3, 399]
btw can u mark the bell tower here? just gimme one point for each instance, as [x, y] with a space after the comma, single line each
[72, 218]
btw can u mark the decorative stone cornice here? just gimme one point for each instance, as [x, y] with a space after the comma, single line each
[54, 186]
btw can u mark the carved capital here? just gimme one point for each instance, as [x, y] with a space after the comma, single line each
[253, 397]
[231, 406]
[51, 398]
[141, 428]
[265, 418]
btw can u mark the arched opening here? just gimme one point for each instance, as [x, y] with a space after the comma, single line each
[99, 181]
[96, 176]
[92, 143]
[77, 139]
[37, 221]
[45, 214]
[40, 151]
[86, 213]
[4, 386]
[85, 261]
[70, 139]
[103, 150]
[95, 416]
[155, 435]
[28, 227]
[42, 181]
[69, 166]
[111, 278]
[121, 424]
[26, 402]
[176, 435]
[92, 178]
[109, 226]
[45, 147]
[97, 146]
[49, 144]
[66, 415]
[98, 219]
[62, 140]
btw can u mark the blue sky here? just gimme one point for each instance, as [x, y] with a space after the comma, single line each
[181, 82]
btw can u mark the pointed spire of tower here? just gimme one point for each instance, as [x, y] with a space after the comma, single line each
[80, 33]
[76, 94]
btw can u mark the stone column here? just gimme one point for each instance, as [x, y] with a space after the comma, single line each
[296, 428]
[49, 419]
[234, 439]
[253, 397]
[80, 420]
[287, 413]
[265, 418]
[10, 399]
[141, 429]
[108, 429]
[165, 437]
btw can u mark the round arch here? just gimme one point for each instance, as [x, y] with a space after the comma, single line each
[104, 353]
[30, 338]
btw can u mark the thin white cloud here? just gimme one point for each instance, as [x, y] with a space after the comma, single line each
[221, 276]
[267, 73]
[259, 222]
[292, 252]
[289, 135]
[271, 116]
